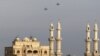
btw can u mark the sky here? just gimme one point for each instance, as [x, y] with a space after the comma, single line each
[28, 18]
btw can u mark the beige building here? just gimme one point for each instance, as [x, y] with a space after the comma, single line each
[32, 47]
[95, 51]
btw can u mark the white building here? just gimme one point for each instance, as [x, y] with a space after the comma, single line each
[32, 47]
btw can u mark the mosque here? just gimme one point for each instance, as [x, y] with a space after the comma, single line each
[32, 47]
[95, 51]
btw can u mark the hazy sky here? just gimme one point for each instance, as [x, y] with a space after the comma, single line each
[28, 17]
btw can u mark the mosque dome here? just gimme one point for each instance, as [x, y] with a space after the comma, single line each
[26, 39]
[34, 39]
[17, 39]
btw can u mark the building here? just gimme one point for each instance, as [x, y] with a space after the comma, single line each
[88, 40]
[32, 47]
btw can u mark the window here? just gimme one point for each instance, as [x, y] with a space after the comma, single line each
[52, 27]
[24, 51]
[18, 51]
[88, 28]
[27, 45]
[35, 51]
[45, 52]
[88, 38]
[96, 51]
[29, 51]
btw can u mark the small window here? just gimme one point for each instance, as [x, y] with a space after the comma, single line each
[88, 37]
[29, 51]
[88, 28]
[27, 45]
[96, 51]
[35, 51]
[45, 52]
[18, 51]
[24, 51]
[51, 27]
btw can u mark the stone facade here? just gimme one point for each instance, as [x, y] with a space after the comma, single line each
[32, 47]
[27, 47]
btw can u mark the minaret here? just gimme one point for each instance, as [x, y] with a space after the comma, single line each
[88, 41]
[95, 41]
[51, 40]
[58, 40]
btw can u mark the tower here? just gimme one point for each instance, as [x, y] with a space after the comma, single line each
[88, 41]
[95, 41]
[58, 40]
[51, 40]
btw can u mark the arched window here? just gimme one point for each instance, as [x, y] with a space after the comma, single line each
[24, 51]
[45, 52]
[96, 51]
[27, 45]
[88, 28]
[88, 38]
[29, 51]
[35, 51]
[18, 51]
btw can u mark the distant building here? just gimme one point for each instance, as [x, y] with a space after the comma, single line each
[32, 47]
[95, 51]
